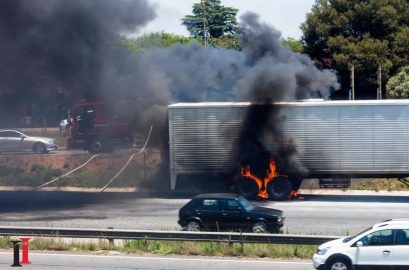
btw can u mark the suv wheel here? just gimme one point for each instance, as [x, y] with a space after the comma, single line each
[193, 226]
[259, 227]
[339, 264]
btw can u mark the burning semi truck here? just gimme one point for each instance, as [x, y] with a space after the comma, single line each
[316, 139]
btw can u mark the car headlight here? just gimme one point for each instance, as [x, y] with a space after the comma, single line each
[322, 251]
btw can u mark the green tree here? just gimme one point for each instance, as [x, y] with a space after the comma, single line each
[366, 34]
[398, 85]
[159, 39]
[294, 45]
[226, 41]
[218, 19]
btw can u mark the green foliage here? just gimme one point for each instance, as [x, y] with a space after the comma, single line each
[5, 242]
[366, 34]
[11, 176]
[160, 40]
[293, 44]
[398, 85]
[226, 41]
[381, 184]
[219, 249]
[219, 19]
[173, 247]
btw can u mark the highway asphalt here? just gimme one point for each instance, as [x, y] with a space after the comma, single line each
[67, 261]
[316, 214]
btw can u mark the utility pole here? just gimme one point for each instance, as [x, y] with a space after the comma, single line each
[204, 22]
[352, 91]
[379, 90]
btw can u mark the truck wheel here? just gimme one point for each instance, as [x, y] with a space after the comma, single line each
[247, 188]
[95, 146]
[296, 181]
[279, 188]
[127, 141]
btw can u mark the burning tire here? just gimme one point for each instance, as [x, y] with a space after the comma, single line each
[248, 188]
[279, 189]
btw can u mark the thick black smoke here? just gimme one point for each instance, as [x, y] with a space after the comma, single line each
[263, 72]
[60, 47]
[71, 47]
[276, 74]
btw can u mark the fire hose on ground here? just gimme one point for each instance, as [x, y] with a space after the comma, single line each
[92, 158]
[68, 173]
[127, 163]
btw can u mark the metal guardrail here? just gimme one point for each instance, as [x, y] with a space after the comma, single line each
[111, 234]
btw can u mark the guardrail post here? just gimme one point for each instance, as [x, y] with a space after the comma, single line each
[111, 241]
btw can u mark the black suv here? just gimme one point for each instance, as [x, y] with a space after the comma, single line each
[228, 212]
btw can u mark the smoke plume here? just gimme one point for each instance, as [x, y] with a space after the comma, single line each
[72, 48]
[263, 72]
[59, 47]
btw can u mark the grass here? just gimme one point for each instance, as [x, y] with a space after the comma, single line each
[164, 248]
[11, 176]
[37, 175]
[381, 184]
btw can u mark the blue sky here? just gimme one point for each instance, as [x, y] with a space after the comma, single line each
[284, 15]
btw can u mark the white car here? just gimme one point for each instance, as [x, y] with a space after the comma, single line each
[383, 246]
[16, 141]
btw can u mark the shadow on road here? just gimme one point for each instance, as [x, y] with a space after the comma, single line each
[21, 201]
[356, 198]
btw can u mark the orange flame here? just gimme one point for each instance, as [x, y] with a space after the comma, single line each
[271, 173]
[295, 194]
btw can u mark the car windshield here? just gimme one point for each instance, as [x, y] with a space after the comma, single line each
[349, 238]
[245, 204]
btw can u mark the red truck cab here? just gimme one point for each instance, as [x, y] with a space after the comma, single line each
[97, 125]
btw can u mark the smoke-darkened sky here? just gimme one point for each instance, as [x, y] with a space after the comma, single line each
[73, 46]
[63, 44]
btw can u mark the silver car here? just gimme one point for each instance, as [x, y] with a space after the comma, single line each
[16, 141]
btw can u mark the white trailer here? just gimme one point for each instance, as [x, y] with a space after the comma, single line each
[335, 138]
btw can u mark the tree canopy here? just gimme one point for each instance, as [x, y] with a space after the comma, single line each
[365, 34]
[219, 20]
[293, 44]
[398, 85]
[159, 39]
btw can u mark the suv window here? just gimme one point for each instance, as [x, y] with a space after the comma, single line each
[208, 205]
[232, 205]
[379, 238]
[402, 237]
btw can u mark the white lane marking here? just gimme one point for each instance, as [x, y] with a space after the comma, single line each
[163, 258]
